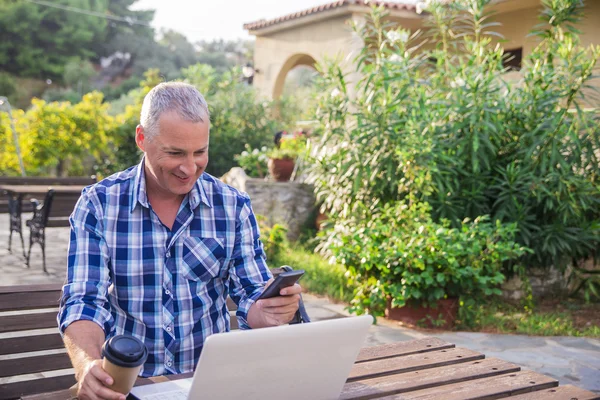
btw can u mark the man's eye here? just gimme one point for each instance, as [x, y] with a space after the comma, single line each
[173, 153]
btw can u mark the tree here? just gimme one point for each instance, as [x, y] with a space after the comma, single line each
[58, 36]
[223, 55]
[119, 36]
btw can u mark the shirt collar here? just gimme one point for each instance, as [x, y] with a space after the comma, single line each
[139, 195]
[139, 187]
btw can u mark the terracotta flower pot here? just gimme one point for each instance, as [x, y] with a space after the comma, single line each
[281, 169]
[320, 219]
[428, 317]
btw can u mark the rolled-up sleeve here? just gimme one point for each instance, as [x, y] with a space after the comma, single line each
[249, 272]
[84, 295]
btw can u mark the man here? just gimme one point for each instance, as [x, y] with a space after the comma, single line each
[156, 249]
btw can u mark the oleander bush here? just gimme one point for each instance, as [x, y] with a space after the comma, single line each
[437, 126]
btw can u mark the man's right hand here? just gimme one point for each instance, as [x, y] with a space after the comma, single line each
[93, 382]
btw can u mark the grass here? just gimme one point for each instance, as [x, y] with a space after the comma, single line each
[320, 277]
[501, 317]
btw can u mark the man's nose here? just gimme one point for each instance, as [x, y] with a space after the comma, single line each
[188, 166]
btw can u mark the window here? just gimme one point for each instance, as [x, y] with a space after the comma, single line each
[512, 59]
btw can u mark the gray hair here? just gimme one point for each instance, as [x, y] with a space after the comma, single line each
[180, 97]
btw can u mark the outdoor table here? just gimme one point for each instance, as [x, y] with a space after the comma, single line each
[429, 369]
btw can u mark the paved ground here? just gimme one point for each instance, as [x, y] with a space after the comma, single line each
[570, 360]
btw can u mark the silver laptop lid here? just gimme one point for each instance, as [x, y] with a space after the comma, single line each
[304, 361]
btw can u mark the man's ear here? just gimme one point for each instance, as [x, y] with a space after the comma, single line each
[140, 137]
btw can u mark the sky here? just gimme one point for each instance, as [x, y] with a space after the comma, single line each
[214, 19]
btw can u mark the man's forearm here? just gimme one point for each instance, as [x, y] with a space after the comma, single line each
[83, 341]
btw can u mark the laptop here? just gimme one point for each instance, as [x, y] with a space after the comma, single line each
[302, 361]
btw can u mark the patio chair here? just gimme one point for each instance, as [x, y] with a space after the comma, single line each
[37, 225]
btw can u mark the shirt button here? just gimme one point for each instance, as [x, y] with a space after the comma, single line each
[168, 255]
[169, 364]
[168, 292]
[168, 329]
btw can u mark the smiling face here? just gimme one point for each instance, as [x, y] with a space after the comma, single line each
[176, 155]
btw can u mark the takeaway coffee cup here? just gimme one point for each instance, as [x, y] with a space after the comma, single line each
[124, 357]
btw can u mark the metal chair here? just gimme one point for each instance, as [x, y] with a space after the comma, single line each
[37, 225]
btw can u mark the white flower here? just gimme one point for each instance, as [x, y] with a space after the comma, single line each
[458, 81]
[263, 149]
[255, 151]
[244, 153]
[395, 58]
[397, 36]
[335, 92]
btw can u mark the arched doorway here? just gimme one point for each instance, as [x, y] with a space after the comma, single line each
[291, 63]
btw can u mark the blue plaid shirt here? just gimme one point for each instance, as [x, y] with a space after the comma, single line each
[130, 274]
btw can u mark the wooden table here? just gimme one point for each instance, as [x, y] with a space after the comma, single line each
[428, 369]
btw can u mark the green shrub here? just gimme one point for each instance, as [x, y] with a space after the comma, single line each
[58, 138]
[7, 85]
[401, 255]
[273, 237]
[443, 125]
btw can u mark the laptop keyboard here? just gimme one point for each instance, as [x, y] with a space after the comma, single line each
[171, 395]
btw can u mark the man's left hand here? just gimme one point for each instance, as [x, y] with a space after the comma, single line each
[278, 310]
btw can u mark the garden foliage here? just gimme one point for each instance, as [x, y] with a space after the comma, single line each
[90, 137]
[56, 138]
[437, 125]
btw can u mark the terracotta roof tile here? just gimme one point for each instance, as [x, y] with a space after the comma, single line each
[325, 7]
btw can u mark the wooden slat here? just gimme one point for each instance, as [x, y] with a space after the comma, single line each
[25, 344]
[485, 389]
[31, 365]
[18, 389]
[402, 349]
[413, 362]
[423, 379]
[30, 288]
[58, 222]
[47, 180]
[567, 392]
[26, 322]
[231, 305]
[29, 300]
[233, 322]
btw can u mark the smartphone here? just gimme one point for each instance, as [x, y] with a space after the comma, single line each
[283, 280]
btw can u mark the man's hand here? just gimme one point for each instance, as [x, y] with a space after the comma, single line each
[83, 341]
[92, 384]
[277, 310]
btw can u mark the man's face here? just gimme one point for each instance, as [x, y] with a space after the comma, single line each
[176, 156]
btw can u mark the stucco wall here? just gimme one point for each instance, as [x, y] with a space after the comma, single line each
[328, 37]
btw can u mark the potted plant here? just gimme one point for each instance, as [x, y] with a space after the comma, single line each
[253, 161]
[282, 159]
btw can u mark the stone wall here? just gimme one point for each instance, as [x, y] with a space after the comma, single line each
[288, 203]
[544, 283]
